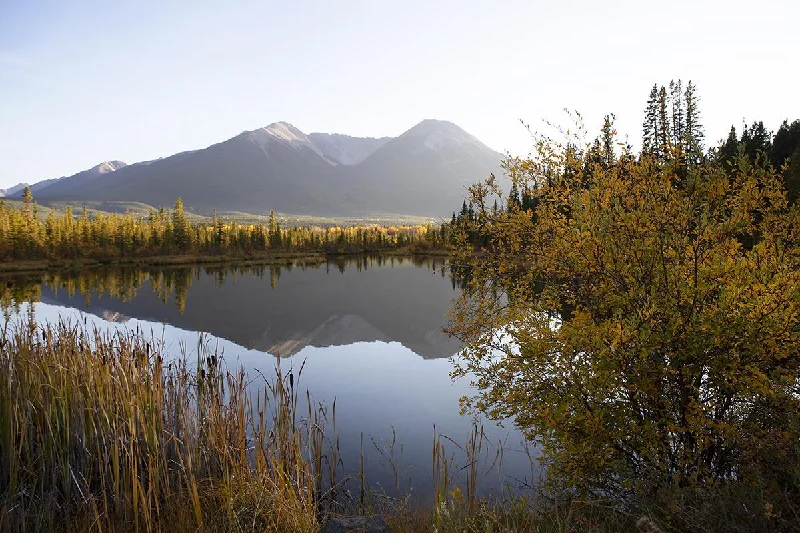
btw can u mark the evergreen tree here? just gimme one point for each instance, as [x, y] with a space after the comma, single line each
[757, 142]
[728, 151]
[608, 135]
[650, 125]
[663, 134]
[693, 128]
[785, 143]
[179, 226]
[27, 205]
[676, 97]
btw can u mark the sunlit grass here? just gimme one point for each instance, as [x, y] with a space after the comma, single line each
[99, 432]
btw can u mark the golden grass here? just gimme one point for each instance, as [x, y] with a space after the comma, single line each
[98, 432]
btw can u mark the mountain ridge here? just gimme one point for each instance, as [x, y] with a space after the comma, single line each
[423, 171]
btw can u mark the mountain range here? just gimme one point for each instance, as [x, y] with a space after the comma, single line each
[425, 171]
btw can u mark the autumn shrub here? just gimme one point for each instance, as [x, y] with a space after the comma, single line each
[639, 318]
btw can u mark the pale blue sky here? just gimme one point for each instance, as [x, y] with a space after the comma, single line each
[82, 82]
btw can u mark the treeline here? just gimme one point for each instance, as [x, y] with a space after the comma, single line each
[672, 135]
[756, 144]
[24, 236]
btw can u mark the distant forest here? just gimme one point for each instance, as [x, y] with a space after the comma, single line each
[109, 237]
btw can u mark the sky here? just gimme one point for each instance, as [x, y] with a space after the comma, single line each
[83, 82]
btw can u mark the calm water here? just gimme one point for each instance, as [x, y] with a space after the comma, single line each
[369, 332]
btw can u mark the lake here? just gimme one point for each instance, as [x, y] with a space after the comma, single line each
[367, 332]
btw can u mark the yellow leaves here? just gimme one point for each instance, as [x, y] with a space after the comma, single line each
[674, 315]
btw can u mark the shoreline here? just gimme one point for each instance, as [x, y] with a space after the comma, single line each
[35, 266]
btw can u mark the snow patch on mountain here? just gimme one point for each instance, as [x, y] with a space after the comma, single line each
[284, 133]
[107, 166]
[346, 150]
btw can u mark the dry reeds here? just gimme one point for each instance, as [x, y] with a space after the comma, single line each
[99, 432]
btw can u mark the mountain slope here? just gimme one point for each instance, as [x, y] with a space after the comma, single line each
[425, 171]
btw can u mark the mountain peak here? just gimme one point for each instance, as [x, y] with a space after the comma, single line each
[106, 167]
[286, 132]
[439, 134]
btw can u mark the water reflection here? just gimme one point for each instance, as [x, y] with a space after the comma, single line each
[274, 309]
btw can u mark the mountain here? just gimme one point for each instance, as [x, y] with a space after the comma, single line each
[424, 171]
[63, 185]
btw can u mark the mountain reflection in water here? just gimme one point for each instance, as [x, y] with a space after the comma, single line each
[279, 310]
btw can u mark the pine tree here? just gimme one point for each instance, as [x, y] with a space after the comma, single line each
[757, 141]
[693, 129]
[727, 152]
[608, 140]
[27, 205]
[650, 125]
[785, 142]
[663, 133]
[676, 97]
[179, 226]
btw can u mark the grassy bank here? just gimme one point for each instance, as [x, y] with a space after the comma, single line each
[99, 433]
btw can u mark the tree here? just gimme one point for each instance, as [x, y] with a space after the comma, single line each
[626, 329]
[650, 125]
[693, 127]
[608, 139]
[663, 133]
[757, 142]
[180, 226]
[728, 151]
[785, 142]
[676, 98]
[791, 177]
[27, 205]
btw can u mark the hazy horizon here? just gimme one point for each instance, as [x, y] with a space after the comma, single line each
[87, 83]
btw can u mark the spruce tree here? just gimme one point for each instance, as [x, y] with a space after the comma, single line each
[650, 125]
[663, 133]
[608, 139]
[676, 97]
[693, 129]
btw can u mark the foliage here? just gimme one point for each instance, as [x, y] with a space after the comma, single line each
[640, 322]
[761, 148]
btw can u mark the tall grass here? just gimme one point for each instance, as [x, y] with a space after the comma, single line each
[99, 432]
